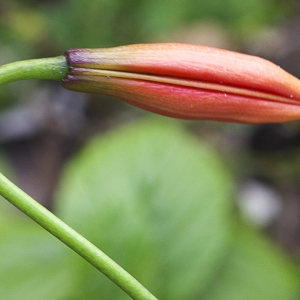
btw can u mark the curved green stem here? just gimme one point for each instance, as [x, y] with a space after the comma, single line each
[73, 240]
[54, 68]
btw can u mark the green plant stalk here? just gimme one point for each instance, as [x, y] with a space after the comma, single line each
[73, 239]
[56, 69]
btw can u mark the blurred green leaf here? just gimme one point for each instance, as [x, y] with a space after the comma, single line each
[107, 23]
[31, 264]
[255, 269]
[156, 200]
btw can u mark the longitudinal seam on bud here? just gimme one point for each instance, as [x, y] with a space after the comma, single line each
[182, 82]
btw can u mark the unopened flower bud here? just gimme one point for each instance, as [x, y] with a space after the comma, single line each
[188, 82]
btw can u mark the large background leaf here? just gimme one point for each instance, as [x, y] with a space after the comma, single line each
[159, 202]
[32, 263]
[254, 269]
[154, 199]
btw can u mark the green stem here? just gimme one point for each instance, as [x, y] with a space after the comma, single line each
[54, 68]
[74, 240]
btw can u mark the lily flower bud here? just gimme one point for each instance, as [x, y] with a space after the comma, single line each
[188, 82]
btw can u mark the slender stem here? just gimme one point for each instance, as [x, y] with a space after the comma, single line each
[43, 68]
[73, 240]
[56, 68]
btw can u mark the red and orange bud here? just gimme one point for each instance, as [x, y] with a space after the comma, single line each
[188, 82]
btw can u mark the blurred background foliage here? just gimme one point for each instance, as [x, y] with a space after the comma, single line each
[193, 209]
